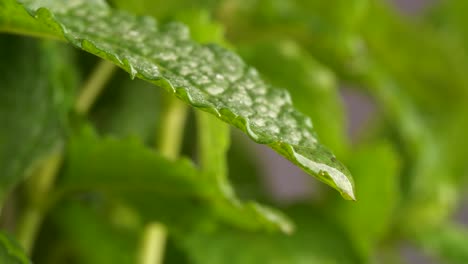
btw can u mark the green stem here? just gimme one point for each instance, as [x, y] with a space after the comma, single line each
[42, 182]
[94, 86]
[169, 142]
[169, 139]
[38, 187]
[153, 244]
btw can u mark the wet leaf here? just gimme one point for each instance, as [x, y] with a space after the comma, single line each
[205, 76]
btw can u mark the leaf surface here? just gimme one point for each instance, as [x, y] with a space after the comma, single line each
[205, 76]
[312, 86]
[158, 188]
[113, 242]
[315, 242]
[10, 251]
[380, 195]
[34, 100]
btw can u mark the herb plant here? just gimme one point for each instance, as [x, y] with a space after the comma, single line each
[123, 124]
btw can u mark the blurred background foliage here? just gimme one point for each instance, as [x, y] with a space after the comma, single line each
[408, 159]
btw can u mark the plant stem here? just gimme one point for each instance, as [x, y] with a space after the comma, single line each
[153, 244]
[39, 185]
[42, 182]
[94, 86]
[169, 142]
[169, 139]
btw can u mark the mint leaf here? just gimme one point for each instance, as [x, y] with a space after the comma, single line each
[316, 241]
[10, 251]
[79, 226]
[205, 76]
[158, 188]
[380, 196]
[312, 86]
[128, 108]
[34, 100]
[214, 142]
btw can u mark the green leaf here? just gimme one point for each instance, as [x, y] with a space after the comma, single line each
[214, 142]
[317, 241]
[205, 76]
[441, 65]
[158, 188]
[10, 251]
[326, 29]
[448, 244]
[368, 222]
[162, 9]
[128, 108]
[93, 237]
[34, 100]
[312, 86]
[425, 117]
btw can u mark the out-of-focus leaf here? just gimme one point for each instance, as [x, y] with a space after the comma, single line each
[160, 189]
[312, 86]
[93, 238]
[368, 221]
[428, 185]
[440, 64]
[316, 240]
[214, 142]
[327, 29]
[205, 76]
[448, 244]
[128, 108]
[10, 251]
[203, 28]
[411, 96]
[161, 9]
[449, 21]
[35, 92]
[245, 175]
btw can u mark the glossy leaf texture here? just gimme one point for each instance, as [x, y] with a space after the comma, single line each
[315, 242]
[159, 189]
[34, 100]
[10, 251]
[312, 86]
[205, 76]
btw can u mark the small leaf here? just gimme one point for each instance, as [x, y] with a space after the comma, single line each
[376, 169]
[205, 76]
[316, 241]
[93, 238]
[34, 100]
[10, 251]
[158, 188]
[214, 142]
